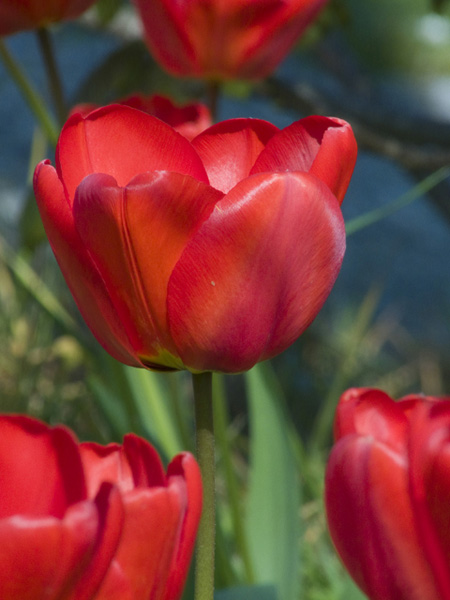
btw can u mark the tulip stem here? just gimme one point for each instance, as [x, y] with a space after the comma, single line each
[54, 80]
[213, 98]
[204, 566]
[32, 97]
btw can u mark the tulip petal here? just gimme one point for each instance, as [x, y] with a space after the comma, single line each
[122, 142]
[40, 558]
[150, 514]
[256, 273]
[135, 236]
[165, 32]
[224, 39]
[371, 521]
[134, 464]
[229, 149]
[145, 463]
[188, 119]
[429, 453]
[45, 476]
[184, 466]
[322, 146]
[105, 463]
[83, 278]
[99, 218]
[31, 14]
[371, 412]
[276, 28]
[110, 509]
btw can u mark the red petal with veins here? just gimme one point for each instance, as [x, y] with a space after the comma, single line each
[256, 273]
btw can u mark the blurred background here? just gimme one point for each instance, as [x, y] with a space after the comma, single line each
[383, 65]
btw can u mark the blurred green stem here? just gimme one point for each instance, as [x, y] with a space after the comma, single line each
[377, 214]
[54, 80]
[213, 91]
[32, 97]
[204, 565]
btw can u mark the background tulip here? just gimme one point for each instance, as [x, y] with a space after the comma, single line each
[222, 39]
[188, 119]
[91, 522]
[388, 493]
[17, 15]
[208, 256]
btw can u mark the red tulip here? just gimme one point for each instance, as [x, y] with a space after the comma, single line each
[210, 255]
[162, 513]
[78, 521]
[189, 119]
[17, 15]
[388, 494]
[223, 39]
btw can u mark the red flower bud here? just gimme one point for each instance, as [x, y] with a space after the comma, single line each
[188, 119]
[223, 39]
[388, 494]
[210, 255]
[17, 15]
[78, 520]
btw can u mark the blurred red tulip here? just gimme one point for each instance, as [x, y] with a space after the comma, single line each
[388, 494]
[210, 255]
[78, 521]
[17, 15]
[188, 119]
[223, 39]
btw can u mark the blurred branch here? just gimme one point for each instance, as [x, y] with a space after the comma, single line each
[29, 93]
[414, 143]
[53, 76]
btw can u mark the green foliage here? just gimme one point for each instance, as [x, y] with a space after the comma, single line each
[255, 592]
[272, 519]
[399, 35]
[108, 9]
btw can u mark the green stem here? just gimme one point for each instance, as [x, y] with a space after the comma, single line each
[32, 97]
[213, 91]
[204, 565]
[54, 80]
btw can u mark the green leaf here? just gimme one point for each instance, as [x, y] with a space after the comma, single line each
[351, 591]
[111, 406]
[107, 9]
[272, 512]
[254, 592]
[151, 398]
[30, 280]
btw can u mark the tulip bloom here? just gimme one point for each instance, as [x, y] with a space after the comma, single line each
[189, 119]
[223, 39]
[17, 15]
[210, 255]
[388, 494]
[85, 522]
